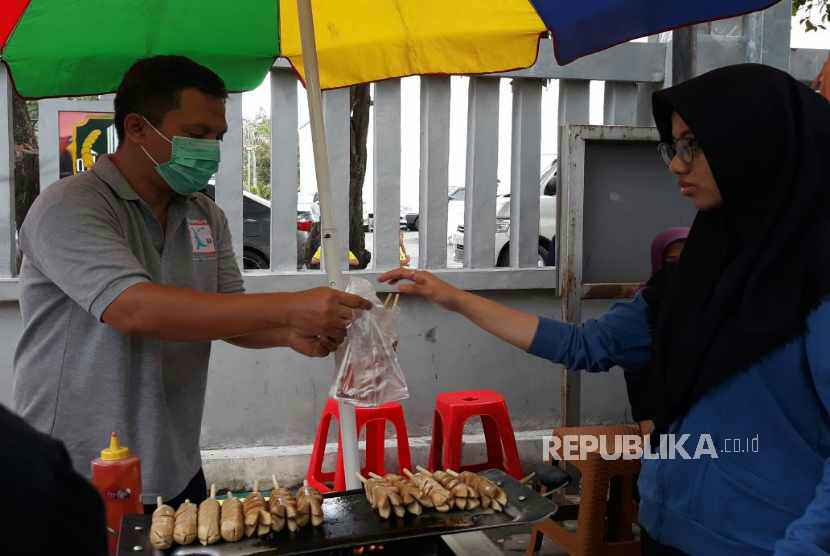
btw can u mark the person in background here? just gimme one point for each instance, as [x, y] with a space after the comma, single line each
[735, 342]
[50, 508]
[129, 274]
[822, 81]
[405, 259]
[666, 248]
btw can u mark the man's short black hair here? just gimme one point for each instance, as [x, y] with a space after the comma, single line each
[152, 87]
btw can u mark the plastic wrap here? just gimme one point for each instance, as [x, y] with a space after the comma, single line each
[368, 372]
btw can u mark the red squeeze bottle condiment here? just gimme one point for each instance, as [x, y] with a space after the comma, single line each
[117, 477]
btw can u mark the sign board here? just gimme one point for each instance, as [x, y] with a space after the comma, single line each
[82, 136]
[72, 134]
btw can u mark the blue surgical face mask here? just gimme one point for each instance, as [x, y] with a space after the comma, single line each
[191, 165]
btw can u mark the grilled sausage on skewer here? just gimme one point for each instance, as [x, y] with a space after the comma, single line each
[278, 518]
[310, 502]
[264, 526]
[209, 526]
[252, 508]
[440, 497]
[161, 530]
[264, 521]
[410, 494]
[383, 497]
[283, 507]
[487, 489]
[184, 532]
[462, 494]
[232, 525]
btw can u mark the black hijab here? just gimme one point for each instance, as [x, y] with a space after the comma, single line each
[752, 270]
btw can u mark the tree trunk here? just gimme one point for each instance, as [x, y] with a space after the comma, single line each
[27, 177]
[359, 102]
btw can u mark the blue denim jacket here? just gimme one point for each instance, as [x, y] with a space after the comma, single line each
[768, 488]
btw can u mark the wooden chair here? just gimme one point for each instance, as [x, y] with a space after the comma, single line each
[607, 509]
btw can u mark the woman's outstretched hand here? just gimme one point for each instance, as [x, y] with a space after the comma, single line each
[426, 285]
[511, 325]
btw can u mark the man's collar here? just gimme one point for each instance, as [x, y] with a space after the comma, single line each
[108, 172]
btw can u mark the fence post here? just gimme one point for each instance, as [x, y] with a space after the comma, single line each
[8, 228]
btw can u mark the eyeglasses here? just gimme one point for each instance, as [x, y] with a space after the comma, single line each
[684, 148]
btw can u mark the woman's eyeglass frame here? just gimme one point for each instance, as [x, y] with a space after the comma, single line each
[684, 148]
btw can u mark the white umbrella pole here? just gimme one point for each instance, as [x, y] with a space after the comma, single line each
[328, 232]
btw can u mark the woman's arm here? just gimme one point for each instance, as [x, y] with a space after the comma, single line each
[511, 325]
[620, 337]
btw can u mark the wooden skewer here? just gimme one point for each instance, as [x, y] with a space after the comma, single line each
[527, 479]
[391, 300]
[274, 481]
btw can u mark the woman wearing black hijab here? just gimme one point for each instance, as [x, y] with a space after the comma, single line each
[737, 337]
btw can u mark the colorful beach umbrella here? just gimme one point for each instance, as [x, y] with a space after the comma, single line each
[74, 47]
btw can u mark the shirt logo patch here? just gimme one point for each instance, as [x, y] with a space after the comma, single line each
[201, 237]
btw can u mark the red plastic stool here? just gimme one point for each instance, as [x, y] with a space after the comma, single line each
[374, 419]
[452, 409]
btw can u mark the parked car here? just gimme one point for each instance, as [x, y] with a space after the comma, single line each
[256, 231]
[455, 213]
[546, 248]
[408, 220]
[368, 217]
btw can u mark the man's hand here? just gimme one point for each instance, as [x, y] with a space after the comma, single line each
[325, 312]
[311, 346]
[426, 285]
[822, 80]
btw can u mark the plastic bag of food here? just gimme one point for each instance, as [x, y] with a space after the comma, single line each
[368, 372]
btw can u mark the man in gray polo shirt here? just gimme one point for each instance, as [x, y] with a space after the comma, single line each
[129, 274]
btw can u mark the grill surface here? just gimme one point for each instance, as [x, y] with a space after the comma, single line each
[350, 521]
